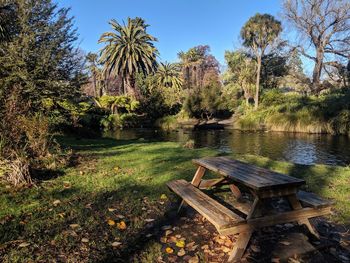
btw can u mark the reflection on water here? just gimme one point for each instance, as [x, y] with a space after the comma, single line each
[293, 147]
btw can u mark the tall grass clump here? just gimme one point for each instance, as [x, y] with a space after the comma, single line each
[292, 112]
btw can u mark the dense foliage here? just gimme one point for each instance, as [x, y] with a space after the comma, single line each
[46, 80]
[39, 66]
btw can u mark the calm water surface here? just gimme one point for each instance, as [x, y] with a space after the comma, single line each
[297, 148]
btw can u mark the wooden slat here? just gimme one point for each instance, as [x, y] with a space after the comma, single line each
[252, 176]
[205, 184]
[285, 217]
[313, 200]
[220, 216]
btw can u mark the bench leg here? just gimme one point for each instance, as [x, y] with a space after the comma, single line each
[195, 181]
[240, 246]
[295, 203]
[235, 191]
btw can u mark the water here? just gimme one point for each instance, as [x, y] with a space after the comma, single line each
[298, 148]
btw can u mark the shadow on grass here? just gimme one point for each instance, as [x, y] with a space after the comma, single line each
[135, 199]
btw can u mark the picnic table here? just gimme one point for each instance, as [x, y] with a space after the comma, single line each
[263, 185]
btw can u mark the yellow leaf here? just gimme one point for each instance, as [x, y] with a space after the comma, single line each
[116, 244]
[56, 202]
[169, 250]
[74, 226]
[61, 215]
[111, 222]
[163, 196]
[24, 244]
[111, 209]
[67, 185]
[121, 225]
[180, 243]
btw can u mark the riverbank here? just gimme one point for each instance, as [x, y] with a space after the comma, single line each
[113, 203]
[283, 112]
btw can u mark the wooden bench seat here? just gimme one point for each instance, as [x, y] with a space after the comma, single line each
[220, 216]
[313, 200]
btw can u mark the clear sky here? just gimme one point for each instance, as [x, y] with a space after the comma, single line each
[178, 24]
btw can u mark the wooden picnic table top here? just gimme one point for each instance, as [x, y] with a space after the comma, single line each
[249, 175]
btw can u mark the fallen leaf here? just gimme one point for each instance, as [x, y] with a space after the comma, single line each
[226, 249]
[67, 185]
[189, 245]
[181, 252]
[111, 222]
[117, 168]
[62, 215]
[286, 243]
[56, 202]
[193, 248]
[168, 232]
[24, 244]
[275, 260]
[120, 216]
[149, 220]
[163, 197]
[116, 244]
[163, 239]
[111, 209]
[180, 243]
[193, 260]
[84, 240]
[169, 250]
[74, 226]
[121, 225]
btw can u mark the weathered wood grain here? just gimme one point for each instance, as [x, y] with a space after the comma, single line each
[281, 218]
[252, 176]
[220, 216]
[313, 200]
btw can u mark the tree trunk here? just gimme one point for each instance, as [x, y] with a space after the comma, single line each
[257, 86]
[94, 84]
[316, 75]
[130, 86]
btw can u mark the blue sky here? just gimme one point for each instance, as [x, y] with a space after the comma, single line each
[178, 24]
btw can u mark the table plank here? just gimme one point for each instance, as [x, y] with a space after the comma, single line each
[252, 176]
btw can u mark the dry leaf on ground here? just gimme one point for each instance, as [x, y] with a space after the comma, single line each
[169, 250]
[121, 225]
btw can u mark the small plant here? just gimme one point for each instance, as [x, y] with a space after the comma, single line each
[189, 144]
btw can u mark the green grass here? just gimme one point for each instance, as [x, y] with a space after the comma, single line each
[128, 176]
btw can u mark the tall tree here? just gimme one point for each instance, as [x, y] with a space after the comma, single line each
[40, 58]
[325, 24]
[129, 50]
[168, 75]
[92, 60]
[242, 69]
[258, 34]
[195, 63]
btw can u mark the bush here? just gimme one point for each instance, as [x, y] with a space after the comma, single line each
[167, 122]
[117, 121]
[206, 102]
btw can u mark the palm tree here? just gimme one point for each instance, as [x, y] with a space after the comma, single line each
[129, 50]
[92, 59]
[258, 33]
[168, 75]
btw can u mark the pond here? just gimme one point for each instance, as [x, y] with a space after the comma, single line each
[298, 148]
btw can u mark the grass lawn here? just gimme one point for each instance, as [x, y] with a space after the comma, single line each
[79, 216]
